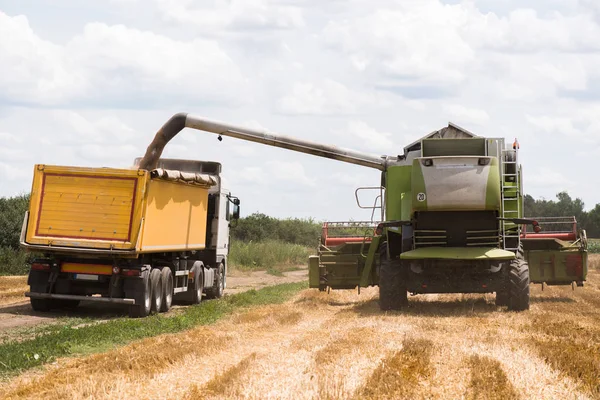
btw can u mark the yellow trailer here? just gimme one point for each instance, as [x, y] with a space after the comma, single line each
[131, 236]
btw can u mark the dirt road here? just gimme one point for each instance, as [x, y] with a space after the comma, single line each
[15, 311]
[341, 346]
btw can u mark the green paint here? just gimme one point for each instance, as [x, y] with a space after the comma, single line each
[370, 262]
[313, 271]
[418, 187]
[492, 191]
[398, 183]
[458, 253]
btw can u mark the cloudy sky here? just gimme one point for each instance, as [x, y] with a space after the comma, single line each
[88, 83]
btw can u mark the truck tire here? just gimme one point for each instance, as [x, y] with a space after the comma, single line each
[392, 285]
[68, 304]
[194, 290]
[38, 283]
[167, 289]
[518, 285]
[141, 294]
[216, 291]
[156, 290]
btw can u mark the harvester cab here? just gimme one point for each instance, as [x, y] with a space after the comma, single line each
[452, 220]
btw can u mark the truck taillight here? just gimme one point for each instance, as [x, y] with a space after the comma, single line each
[130, 272]
[40, 266]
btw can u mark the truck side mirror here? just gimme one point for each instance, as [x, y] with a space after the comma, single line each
[236, 211]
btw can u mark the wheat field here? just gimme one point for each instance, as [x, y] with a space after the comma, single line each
[340, 346]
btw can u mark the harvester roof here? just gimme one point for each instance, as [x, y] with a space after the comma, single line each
[452, 131]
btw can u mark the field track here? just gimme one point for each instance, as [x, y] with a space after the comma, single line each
[339, 345]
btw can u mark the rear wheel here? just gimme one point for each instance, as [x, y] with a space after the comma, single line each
[518, 285]
[141, 294]
[392, 285]
[156, 290]
[167, 289]
[38, 283]
[216, 291]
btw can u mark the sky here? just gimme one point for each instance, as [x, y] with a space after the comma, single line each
[89, 83]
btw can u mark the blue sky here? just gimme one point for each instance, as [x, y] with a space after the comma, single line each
[88, 83]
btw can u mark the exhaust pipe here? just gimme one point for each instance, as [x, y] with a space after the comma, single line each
[179, 121]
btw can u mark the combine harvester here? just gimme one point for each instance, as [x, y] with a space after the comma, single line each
[451, 220]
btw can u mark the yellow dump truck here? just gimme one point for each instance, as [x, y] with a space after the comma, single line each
[140, 237]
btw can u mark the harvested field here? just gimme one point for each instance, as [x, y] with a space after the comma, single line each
[340, 346]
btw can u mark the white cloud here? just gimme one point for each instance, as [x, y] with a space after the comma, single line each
[292, 173]
[466, 115]
[325, 97]
[366, 137]
[113, 63]
[235, 14]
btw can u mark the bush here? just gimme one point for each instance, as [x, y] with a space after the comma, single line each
[260, 227]
[12, 211]
[594, 246]
[267, 254]
[13, 262]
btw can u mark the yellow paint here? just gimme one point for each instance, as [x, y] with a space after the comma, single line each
[175, 217]
[98, 208]
[91, 208]
[95, 269]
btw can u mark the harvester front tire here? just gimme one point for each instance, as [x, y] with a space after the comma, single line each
[518, 285]
[216, 291]
[142, 296]
[392, 285]
[156, 290]
[167, 289]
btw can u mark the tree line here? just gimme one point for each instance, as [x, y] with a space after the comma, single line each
[261, 227]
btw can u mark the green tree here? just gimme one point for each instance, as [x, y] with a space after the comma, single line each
[12, 211]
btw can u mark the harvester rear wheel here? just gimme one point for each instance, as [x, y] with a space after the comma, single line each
[518, 285]
[392, 285]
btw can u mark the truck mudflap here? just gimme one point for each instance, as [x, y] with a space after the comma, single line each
[558, 255]
[75, 297]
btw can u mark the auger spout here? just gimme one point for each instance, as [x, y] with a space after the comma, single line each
[180, 121]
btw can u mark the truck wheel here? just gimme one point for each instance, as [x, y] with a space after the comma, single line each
[518, 285]
[216, 291]
[41, 305]
[156, 290]
[38, 282]
[167, 289]
[141, 294]
[68, 304]
[194, 291]
[392, 285]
